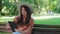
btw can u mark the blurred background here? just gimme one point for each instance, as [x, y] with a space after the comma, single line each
[45, 11]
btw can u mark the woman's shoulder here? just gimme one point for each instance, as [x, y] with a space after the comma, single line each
[31, 19]
[31, 22]
[16, 18]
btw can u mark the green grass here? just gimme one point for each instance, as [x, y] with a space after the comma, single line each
[6, 19]
[52, 21]
[4, 33]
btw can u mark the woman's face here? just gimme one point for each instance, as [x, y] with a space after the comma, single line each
[24, 13]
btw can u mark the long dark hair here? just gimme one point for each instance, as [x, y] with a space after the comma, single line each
[20, 21]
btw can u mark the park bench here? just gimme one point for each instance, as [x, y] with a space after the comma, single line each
[38, 29]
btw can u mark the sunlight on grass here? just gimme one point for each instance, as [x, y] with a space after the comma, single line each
[52, 21]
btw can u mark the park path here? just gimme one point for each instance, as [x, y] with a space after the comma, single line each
[46, 17]
[34, 17]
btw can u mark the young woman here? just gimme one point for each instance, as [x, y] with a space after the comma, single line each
[24, 21]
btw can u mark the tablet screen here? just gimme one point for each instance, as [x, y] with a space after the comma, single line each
[13, 25]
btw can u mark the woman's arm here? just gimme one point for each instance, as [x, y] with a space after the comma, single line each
[31, 22]
[29, 29]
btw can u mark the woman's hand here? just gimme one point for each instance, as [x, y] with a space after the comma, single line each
[7, 26]
[8, 29]
[17, 30]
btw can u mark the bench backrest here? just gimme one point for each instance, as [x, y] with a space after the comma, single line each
[39, 29]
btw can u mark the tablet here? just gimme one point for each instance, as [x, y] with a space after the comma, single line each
[13, 25]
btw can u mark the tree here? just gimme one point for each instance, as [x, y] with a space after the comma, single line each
[0, 6]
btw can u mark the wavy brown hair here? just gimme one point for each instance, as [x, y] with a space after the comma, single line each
[20, 21]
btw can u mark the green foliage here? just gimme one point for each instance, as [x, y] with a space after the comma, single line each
[11, 7]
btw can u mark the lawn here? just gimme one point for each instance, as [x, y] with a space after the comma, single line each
[4, 33]
[51, 21]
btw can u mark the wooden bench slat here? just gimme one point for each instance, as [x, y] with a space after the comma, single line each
[2, 26]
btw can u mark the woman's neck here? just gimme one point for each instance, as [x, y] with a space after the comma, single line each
[24, 16]
[24, 19]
